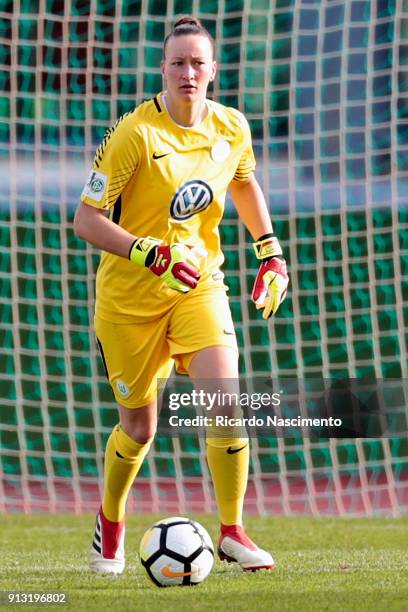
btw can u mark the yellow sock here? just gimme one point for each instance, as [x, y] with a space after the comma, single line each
[228, 460]
[123, 458]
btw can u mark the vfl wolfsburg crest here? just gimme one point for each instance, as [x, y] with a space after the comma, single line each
[122, 388]
[191, 198]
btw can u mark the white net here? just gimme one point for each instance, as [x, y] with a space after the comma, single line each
[325, 88]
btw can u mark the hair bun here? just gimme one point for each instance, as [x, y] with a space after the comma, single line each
[185, 25]
[188, 20]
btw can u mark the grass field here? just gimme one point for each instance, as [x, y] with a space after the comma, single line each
[323, 564]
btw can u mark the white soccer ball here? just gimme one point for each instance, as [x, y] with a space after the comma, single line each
[177, 551]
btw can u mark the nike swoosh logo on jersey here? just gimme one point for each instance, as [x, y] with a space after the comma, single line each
[157, 156]
[229, 333]
[232, 451]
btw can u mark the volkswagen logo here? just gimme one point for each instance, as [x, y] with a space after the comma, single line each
[191, 198]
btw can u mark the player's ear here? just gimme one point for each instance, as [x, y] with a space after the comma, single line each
[213, 71]
[162, 67]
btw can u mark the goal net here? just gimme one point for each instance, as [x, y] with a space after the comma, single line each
[324, 86]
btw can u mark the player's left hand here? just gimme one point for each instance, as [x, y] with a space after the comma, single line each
[272, 280]
[271, 285]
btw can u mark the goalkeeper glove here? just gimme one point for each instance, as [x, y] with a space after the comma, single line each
[178, 265]
[272, 280]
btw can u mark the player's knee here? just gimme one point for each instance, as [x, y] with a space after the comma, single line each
[139, 423]
[142, 433]
[144, 438]
[139, 430]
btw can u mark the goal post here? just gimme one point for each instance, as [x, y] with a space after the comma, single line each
[324, 86]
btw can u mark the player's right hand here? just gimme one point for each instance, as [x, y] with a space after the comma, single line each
[178, 265]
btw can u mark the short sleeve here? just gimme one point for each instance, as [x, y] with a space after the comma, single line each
[116, 159]
[247, 161]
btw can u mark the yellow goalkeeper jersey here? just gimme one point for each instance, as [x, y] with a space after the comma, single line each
[163, 180]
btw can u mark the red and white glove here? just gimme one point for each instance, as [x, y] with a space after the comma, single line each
[178, 265]
[271, 283]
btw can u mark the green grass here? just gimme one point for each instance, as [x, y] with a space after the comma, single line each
[323, 564]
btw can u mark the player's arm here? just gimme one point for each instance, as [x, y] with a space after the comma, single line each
[251, 207]
[117, 159]
[272, 279]
[92, 225]
[176, 264]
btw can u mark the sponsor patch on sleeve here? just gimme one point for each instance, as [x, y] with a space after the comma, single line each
[95, 186]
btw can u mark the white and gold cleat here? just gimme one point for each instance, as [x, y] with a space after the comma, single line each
[107, 554]
[236, 547]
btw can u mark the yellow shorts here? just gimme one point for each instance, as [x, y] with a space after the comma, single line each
[136, 355]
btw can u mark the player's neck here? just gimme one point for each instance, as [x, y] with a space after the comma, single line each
[185, 115]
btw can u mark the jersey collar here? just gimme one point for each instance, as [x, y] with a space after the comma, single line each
[161, 99]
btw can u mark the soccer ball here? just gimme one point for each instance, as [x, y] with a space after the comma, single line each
[176, 551]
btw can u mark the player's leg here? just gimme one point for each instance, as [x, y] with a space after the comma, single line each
[228, 459]
[216, 369]
[126, 449]
[134, 357]
[202, 341]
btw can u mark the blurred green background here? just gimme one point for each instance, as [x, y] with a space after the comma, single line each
[324, 86]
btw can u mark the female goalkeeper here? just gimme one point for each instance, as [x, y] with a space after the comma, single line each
[162, 171]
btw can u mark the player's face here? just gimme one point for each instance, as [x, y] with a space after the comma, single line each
[188, 67]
